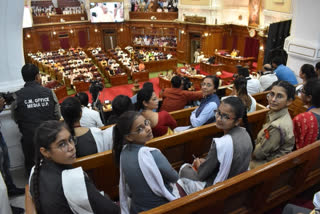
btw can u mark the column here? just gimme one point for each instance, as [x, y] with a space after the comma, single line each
[11, 62]
[303, 45]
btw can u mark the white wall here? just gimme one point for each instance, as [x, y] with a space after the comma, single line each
[11, 61]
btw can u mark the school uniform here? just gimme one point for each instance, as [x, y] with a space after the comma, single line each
[55, 192]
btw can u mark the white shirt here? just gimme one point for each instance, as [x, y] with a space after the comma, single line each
[267, 80]
[253, 86]
[90, 118]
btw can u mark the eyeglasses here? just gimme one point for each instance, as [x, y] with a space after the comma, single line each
[223, 117]
[206, 84]
[141, 128]
[278, 97]
[63, 145]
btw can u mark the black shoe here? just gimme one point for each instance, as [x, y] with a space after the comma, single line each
[16, 191]
[17, 210]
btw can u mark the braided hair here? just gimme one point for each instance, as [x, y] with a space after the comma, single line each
[44, 136]
[120, 130]
[71, 112]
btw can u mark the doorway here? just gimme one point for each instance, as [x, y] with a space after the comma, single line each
[195, 43]
[110, 39]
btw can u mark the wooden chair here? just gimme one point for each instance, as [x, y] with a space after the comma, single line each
[255, 191]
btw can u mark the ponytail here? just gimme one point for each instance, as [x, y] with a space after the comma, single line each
[117, 144]
[248, 128]
[120, 131]
[71, 112]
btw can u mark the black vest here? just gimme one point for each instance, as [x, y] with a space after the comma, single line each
[35, 104]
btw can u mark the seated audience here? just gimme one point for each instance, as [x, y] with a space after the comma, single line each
[253, 85]
[161, 122]
[306, 126]
[89, 118]
[139, 163]
[176, 98]
[267, 77]
[120, 104]
[54, 185]
[307, 72]
[89, 140]
[204, 114]
[240, 90]
[283, 72]
[235, 147]
[145, 85]
[276, 137]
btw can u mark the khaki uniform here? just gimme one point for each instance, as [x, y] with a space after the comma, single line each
[275, 139]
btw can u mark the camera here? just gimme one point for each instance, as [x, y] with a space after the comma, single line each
[186, 83]
[95, 86]
[8, 97]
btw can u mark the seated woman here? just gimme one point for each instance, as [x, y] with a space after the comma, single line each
[89, 117]
[204, 114]
[161, 122]
[145, 173]
[120, 104]
[55, 186]
[89, 140]
[307, 72]
[228, 156]
[306, 126]
[276, 137]
[240, 90]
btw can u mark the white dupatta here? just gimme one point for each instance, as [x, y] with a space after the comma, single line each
[224, 146]
[75, 191]
[152, 176]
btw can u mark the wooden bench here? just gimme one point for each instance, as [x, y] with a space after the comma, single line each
[178, 148]
[255, 191]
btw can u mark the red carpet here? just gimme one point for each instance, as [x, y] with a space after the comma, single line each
[111, 93]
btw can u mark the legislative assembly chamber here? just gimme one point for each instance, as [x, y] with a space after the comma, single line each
[162, 106]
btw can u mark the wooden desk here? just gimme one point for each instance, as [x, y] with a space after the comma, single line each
[163, 82]
[61, 92]
[228, 60]
[57, 18]
[118, 79]
[161, 65]
[159, 16]
[81, 86]
[195, 79]
[141, 76]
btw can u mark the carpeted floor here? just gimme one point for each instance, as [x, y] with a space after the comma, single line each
[111, 93]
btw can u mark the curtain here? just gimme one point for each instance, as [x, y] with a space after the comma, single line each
[224, 42]
[82, 38]
[64, 43]
[251, 48]
[45, 42]
[234, 42]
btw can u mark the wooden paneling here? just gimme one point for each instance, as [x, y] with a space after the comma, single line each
[57, 18]
[148, 15]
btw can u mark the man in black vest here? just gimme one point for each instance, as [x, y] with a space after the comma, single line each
[34, 104]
